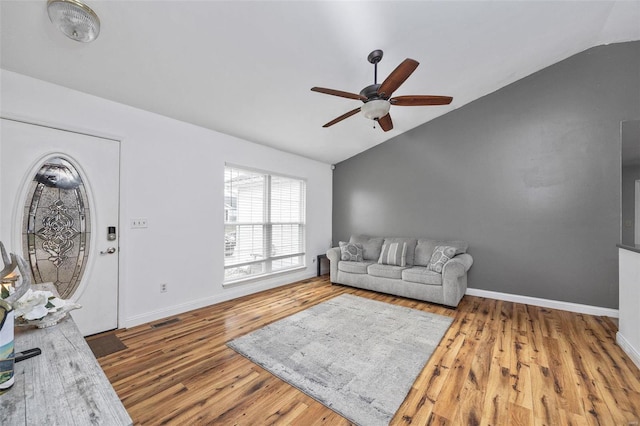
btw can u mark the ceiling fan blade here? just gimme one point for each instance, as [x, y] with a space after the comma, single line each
[342, 117]
[385, 123]
[420, 100]
[338, 93]
[397, 77]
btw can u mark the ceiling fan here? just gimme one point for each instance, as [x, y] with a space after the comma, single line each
[377, 97]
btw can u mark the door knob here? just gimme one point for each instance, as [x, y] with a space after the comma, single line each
[110, 250]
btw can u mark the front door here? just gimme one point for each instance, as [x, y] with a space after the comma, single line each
[59, 203]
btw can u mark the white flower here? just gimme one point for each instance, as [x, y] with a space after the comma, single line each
[37, 312]
[32, 305]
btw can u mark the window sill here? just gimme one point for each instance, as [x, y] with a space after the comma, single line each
[261, 277]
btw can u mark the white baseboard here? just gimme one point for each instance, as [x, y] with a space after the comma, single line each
[628, 349]
[229, 293]
[239, 292]
[170, 311]
[545, 303]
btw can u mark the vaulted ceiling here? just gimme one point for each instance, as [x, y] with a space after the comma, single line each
[245, 68]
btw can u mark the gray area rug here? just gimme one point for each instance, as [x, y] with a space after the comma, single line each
[357, 356]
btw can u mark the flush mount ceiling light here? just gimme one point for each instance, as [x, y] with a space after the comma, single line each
[75, 19]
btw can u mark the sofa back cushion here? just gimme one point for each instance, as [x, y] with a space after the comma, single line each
[425, 247]
[371, 247]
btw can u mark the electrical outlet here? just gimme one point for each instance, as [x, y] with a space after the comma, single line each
[163, 287]
[140, 222]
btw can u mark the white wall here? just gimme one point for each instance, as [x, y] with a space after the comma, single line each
[628, 336]
[171, 173]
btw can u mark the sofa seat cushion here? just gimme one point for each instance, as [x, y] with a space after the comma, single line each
[422, 275]
[385, 271]
[353, 267]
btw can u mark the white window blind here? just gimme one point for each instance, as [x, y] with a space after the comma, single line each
[264, 223]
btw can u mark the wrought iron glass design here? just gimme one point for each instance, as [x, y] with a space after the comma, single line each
[56, 226]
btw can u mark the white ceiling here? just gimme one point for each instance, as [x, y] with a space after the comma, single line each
[245, 68]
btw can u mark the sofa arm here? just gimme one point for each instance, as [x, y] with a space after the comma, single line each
[458, 266]
[333, 254]
[454, 278]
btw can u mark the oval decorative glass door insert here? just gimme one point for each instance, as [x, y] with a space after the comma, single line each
[56, 226]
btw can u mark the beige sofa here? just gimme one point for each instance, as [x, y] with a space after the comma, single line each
[417, 277]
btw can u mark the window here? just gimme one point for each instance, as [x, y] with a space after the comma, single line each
[264, 223]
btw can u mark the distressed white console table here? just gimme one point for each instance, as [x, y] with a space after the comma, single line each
[62, 386]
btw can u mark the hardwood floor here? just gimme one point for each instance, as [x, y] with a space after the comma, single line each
[500, 363]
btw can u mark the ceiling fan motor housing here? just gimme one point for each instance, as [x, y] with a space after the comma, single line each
[371, 92]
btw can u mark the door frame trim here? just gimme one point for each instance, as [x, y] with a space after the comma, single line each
[50, 125]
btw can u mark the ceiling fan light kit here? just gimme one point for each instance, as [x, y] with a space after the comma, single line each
[75, 19]
[377, 97]
[375, 109]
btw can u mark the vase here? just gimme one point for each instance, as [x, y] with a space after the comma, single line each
[7, 352]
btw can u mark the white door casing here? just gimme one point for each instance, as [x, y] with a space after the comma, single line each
[23, 150]
[637, 213]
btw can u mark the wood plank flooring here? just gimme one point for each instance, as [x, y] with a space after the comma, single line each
[500, 363]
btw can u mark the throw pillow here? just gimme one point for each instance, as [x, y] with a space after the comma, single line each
[350, 251]
[440, 256]
[394, 254]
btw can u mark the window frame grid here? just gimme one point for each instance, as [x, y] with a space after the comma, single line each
[267, 226]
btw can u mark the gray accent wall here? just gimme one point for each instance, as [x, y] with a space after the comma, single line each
[529, 175]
